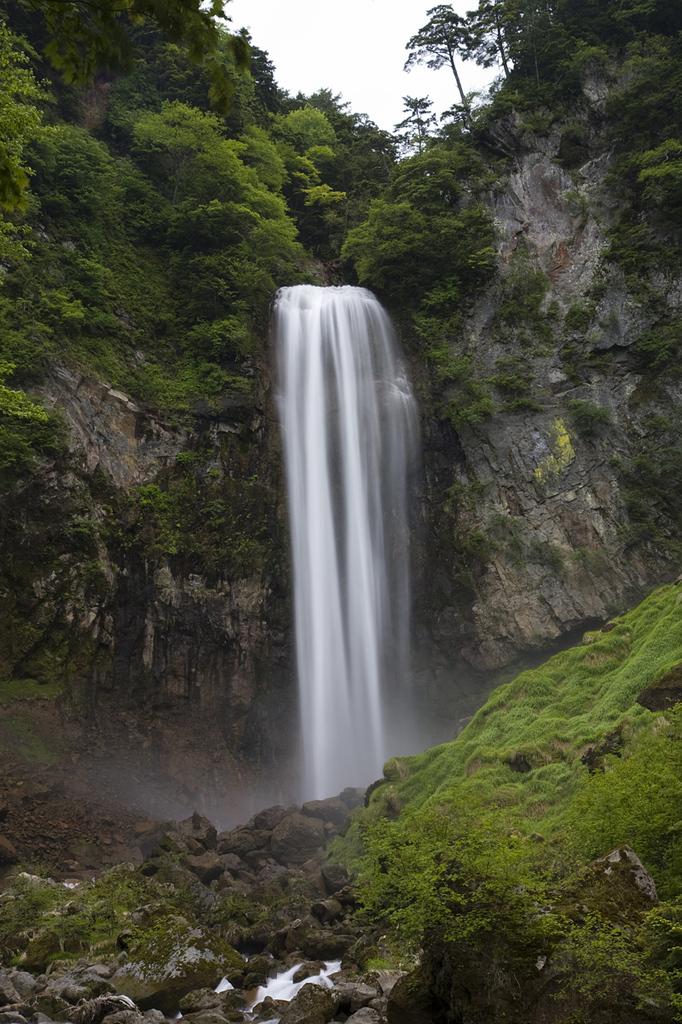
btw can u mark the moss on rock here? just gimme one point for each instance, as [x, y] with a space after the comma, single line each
[172, 960]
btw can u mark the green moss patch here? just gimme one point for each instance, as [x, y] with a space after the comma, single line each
[172, 959]
[12, 690]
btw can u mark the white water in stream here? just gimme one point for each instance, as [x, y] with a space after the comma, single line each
[349, 428]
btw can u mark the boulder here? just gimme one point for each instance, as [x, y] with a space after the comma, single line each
[206, 1000]
[268, 932]
[261, 968]
[206, 866]
[39, 951]
[173, 961]
[52, 1007]
[323, 944]
[269, 1008]
[24, 983]
[8, 993]
[333, 810]
[200, 829]
[640, 876]
[334, 877]
[240, 840]
[311, 1005]
[214, 1016]
[171, 840]
[124, 1017]
[269, 818]
[310, 969]
[387, 980]
[232, 863]
[77, 984]
[410, 1001]
[256, 860]
[297, 838]
[270, 871]
[352, 797]
[298, 932]
[366, 1015]
[8, 851]
[665, 692]
[353, 995]
[199, 999]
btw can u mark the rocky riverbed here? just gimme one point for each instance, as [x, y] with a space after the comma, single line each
[195, 924]
[260, 924]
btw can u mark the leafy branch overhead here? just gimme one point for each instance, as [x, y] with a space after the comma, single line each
[86, 35]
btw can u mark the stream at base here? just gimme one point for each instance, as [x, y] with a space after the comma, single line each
[284, 988]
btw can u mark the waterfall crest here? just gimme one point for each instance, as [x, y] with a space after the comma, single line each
[349, 426]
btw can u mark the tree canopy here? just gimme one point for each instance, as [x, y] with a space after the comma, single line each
[86, 35]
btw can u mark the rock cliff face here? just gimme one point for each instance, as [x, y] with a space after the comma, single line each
[169, 662]
[145, 572]
[535, 523]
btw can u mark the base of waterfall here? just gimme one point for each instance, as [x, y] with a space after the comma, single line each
[213, 928]
[249, 925]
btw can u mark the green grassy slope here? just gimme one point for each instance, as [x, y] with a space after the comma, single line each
[521, 754]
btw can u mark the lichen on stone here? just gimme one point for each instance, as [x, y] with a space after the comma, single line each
[562, 453]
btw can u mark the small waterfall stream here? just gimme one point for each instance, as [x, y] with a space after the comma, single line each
[349, 427]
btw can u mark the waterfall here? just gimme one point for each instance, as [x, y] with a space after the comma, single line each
[349, 427]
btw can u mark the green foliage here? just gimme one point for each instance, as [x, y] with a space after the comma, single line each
[27, 430]
[424, 245]
[651, 479]
[21, 123]
[490, 908]
[470, 404]
[635, 800]
[659, 346]
[520, 314]
[484, 866]
[514, 383]
[16, 404]
[418, 123]
[219, 206]
[154, 292]
[12, 690]
[548, 717]
[443, 38]
[305, 128]
[588, 416]
[89, 919]
[579, 317]
[601, 963]
[459, 875]
[84, 38]
[226, 522]
[662, 933]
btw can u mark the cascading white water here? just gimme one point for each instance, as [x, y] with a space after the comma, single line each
[349, 426]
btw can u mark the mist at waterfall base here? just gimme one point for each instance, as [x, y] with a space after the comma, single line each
[349, 428]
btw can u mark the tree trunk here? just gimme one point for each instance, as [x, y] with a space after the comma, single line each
[500, 47]
[465, 105]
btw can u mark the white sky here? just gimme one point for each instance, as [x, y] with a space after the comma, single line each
[356, 48]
